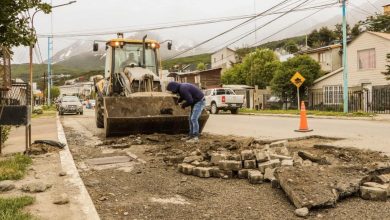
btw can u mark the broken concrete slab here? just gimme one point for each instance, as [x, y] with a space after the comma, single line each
[255, 177]
[243, 174]
[261, 156]
[313, 158]
[218, 156]
[318, 186]
[373, 193]
[269, 164]
[191, 159]
[377, 185]
[269, 174]
[283, 143]
[109, 160]
[287, 163]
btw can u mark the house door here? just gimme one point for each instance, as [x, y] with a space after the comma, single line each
[367, 96]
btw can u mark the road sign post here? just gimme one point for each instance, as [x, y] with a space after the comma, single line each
[298, 80]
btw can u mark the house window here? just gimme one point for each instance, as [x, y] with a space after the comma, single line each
[215, 60]
[366, 59]
[322, 58]
[222, 57]
[333, 95]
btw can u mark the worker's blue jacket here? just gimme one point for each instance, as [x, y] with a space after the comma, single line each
[188, 92]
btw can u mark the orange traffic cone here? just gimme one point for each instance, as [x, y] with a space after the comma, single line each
[303, 124]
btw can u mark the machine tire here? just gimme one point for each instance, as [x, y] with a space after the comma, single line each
[234, 111]
[214, 108]
[81, 113]
[99, 114]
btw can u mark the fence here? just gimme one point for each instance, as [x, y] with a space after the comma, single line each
[375, 100]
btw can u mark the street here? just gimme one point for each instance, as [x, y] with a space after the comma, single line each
[363, 134]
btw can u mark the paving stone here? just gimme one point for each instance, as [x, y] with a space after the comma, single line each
[281, 157]
[230, 165]
[287, 163]
[373, 193]
[195, 163]
[247, 155]
[191, 159]
[215, 172]
[269, 164]
[243, 174]
[249, 164]
[6, 185]
[302, 212]
[269, 174]
[203, 172]
[236, 157]
[281, 151]
[186, 168]
[255, 177]
[61, 199]
[218, 156]
[377, 185]
[283, 143]
[261, 156]
[204, 164]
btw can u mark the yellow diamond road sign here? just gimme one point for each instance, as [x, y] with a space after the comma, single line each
[297, 79]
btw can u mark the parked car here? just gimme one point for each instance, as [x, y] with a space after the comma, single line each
[70, 104]
[223, 99]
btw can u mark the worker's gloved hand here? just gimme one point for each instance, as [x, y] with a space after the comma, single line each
[182, 106]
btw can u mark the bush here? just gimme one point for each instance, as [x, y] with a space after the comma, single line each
[5, 132]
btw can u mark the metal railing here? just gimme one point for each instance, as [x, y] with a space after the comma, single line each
[18, 94]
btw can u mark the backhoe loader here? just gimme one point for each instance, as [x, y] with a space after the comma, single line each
[130, 96]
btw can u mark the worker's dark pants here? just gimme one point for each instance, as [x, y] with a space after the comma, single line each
[196, 111]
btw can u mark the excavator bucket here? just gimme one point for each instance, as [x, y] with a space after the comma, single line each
[146, 113]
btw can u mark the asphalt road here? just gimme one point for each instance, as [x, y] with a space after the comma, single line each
[365, 134]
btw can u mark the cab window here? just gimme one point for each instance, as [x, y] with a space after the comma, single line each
[207, 93]
[220, 92]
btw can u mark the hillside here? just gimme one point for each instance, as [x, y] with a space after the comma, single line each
[201, 58]
[22, 70]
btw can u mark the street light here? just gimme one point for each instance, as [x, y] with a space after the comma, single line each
[32, 46]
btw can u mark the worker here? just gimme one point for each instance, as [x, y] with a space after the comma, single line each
[130, 61]
[190, 95]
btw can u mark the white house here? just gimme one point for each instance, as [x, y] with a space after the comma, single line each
[223, 58]
[329, 57]
[366, 61]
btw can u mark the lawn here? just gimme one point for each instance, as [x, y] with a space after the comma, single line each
[308, 112]
[14, 168]
[11, 208]
[45, 111]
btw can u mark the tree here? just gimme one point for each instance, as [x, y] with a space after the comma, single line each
[291, 46]
[14, 21]
[54, 92]
[326, 36]
[313, 39]
[303, 64]
[356, 31]
[257, 68]
[378, 23]
[387, 73]
[201, 66]
[338, 32]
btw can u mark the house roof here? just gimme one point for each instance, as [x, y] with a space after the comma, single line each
[381, 34]
[328, 75]
[315, 50]
[223, 49]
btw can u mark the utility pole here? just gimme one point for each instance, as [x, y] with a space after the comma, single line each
[49, 50]
[345, 67]
[44, 88]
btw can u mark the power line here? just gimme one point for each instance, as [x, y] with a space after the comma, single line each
[176, 25]
[227, 31]
[360, 9]
[282, 29]
[376, 8]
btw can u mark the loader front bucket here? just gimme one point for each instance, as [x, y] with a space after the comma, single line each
[146, 113]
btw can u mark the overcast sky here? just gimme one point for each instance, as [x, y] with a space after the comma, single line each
[112, 15]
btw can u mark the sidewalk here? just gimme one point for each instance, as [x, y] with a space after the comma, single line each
[46, 169]
[42, 128]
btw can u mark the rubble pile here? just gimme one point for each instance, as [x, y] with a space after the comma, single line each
[257, 165]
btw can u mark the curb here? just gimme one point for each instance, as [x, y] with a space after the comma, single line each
[314, 116]
[67, 163]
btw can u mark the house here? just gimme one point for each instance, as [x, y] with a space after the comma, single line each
[386, 9]
[224, 58]
[366, 60]
[204, 79]
[329, 57]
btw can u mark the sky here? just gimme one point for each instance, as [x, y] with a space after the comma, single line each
[102, 15]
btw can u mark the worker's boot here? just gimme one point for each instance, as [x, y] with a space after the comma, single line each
[193, 140]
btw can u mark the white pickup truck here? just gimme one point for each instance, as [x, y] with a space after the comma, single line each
[223, 99]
